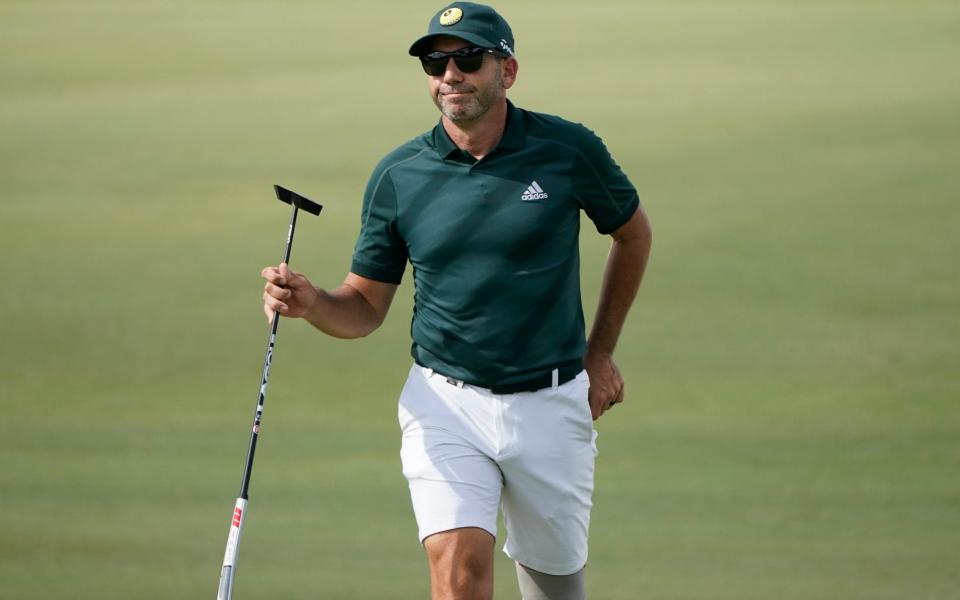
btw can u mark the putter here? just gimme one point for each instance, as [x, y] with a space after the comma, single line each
[297, 202]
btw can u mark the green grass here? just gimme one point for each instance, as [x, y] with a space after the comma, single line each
[791, 429]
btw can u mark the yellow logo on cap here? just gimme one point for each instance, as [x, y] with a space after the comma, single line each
[451, 16]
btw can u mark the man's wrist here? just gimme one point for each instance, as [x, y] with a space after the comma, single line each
[597, 354]
[310, 309]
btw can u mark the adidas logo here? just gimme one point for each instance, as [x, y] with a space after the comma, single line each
[534, 192]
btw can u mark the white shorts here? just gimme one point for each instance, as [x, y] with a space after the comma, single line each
[467, 451]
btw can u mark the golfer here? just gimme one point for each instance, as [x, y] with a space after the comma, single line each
[498, 408]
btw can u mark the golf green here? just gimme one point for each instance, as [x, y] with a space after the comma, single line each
[790, 429]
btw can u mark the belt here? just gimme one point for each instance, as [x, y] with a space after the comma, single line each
[553, 377]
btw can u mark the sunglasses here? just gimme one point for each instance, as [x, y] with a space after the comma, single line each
[468, 60]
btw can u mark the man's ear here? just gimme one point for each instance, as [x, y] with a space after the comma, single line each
[510, 67]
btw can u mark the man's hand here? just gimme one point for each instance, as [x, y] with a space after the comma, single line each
[606, 383]
[287, 292]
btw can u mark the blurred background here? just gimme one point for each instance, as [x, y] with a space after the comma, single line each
[791, 428]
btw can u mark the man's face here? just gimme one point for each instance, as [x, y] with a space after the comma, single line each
[465, 97]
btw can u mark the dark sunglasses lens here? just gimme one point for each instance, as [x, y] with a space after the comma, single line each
[434, 66]
[468, 60]
[469, 64]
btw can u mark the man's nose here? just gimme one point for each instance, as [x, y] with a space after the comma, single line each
[452, 72]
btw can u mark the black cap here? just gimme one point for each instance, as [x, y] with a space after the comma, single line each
[476, 23]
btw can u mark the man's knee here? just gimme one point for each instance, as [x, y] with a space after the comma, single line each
[535, 585]
[461, 562]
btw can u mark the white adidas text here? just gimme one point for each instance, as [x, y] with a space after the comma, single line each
[534, 192]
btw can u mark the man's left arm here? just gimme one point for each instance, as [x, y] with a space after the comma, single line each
[626, 264]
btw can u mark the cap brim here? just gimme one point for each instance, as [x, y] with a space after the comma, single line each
[422, 46]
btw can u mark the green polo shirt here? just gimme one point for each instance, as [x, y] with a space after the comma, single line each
[493, 243]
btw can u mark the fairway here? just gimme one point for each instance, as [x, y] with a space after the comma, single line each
[791, 429]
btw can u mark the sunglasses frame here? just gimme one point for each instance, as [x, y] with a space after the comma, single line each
[460, 58]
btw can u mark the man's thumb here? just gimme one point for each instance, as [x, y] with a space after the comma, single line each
[291, 278]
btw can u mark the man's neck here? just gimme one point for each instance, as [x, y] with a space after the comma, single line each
[479, 137]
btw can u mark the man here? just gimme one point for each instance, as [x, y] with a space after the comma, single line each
[498, 407]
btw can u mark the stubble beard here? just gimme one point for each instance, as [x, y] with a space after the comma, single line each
[470, 108]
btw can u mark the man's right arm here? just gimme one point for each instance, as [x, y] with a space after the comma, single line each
[355, 309]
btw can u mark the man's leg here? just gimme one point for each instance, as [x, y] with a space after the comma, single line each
[535, 585]
[549, 482]
[461, 564]
[454, 483]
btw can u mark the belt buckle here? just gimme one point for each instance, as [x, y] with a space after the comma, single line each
[456, 382]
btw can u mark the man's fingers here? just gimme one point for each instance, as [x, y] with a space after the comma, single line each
[274, 304]
[272, 274]
[615, 397]
[619, 397]
[606, 386]
[286, 274]
[613, 400]
[277, 291]
[283, 276]
[292, 279]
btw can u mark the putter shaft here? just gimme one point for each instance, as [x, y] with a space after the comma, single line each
[239, 515]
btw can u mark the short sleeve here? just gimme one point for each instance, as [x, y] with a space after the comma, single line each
[380, 253]
[602, 188]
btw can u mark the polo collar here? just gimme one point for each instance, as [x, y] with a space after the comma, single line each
[514, 135]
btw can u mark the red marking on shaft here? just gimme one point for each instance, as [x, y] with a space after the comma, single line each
[237, 513]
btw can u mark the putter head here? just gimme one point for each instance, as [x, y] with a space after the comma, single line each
[297, 200]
